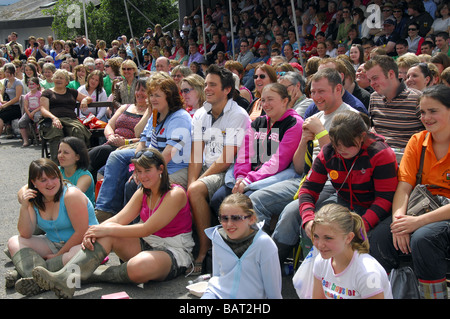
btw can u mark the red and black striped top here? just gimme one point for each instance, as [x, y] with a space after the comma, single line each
[370, 184]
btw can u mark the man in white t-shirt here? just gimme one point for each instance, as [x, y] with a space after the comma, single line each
[218, 129]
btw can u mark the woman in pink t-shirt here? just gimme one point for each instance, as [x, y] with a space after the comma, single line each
[157, 247]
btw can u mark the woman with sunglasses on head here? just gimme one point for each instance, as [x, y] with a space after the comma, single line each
[157, 248]
[264, 74]
[170, 134]
[419, 77]
[245, 258]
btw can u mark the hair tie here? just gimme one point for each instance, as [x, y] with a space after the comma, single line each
[362, 234]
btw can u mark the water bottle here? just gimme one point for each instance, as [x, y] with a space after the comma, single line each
[200, 278]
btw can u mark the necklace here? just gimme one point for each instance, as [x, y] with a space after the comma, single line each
[150, 202]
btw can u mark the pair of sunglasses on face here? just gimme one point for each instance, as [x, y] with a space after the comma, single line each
[233, 218]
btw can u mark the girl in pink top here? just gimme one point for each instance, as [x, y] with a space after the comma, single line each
[31, 109]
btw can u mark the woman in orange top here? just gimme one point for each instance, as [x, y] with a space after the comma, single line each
[425, 237]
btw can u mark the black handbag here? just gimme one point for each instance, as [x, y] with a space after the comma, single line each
[5, 95]
[421, 201]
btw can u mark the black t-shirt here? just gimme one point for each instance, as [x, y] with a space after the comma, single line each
[62, 105]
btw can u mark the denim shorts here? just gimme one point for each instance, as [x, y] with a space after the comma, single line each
[175, 271]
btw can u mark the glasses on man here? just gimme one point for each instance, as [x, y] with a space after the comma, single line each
[233, 218]
[412, 29]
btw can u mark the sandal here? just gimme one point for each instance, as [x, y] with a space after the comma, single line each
[195, 269]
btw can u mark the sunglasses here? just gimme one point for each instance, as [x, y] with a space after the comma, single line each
[127, 69]
[148, 154]
[262, 76]
[412, 29]
[282, 73]
[233, 218]
[107, 66]
[186, 91]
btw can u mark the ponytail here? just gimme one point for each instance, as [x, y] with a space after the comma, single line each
[360, 242]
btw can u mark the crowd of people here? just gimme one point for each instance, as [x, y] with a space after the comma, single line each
[281, 139]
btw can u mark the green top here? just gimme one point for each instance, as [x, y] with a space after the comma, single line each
[74, 85]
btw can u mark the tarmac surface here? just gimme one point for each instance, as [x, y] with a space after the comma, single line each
[14, 162]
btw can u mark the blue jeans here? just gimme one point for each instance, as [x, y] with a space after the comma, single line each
[271, 200]
[289, 225]
[429, 249]
[111, 195]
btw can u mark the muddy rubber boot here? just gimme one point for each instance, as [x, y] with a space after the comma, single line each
[25, 260]
[28, 286]
[78, 269]
[111, 274]
[11, 278]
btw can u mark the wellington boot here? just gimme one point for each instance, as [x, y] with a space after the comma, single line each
[11, 278]
[24, 261]
[7, 253]
[111, 274]
[29, 287]
[78, 269]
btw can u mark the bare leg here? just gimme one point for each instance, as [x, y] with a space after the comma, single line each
[198, 194]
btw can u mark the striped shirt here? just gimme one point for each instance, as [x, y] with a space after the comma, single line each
[397, 120]
[368, 180]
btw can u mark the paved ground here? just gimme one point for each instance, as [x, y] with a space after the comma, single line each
[14, 162]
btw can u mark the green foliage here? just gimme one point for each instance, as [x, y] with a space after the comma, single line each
[109, 20]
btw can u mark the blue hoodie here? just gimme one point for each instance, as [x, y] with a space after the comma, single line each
[256, 275]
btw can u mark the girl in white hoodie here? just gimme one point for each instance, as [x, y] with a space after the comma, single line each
[245, 258]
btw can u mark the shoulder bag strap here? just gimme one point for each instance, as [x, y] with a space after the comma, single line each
[422, 157]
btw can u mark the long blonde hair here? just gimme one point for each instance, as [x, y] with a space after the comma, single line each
[342, 218]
